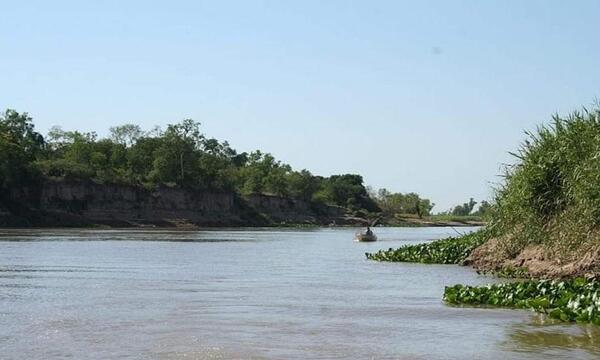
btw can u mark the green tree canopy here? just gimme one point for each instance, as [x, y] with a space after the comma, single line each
[464, 209]
[399, 203]
[180, 156]
[20, 145]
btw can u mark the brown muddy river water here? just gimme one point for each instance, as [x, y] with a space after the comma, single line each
[251, 294]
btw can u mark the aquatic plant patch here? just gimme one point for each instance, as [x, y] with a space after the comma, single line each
[569, 300]
[447, 251]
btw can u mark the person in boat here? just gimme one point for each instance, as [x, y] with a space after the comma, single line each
[369, 232]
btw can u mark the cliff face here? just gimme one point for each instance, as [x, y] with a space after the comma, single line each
[116, 204]
[62, 203]
[280, 209]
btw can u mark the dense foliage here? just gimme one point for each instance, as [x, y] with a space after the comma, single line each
[447, 251]
[484, 209]
[20, 146]
[551, 195]
[399, 203]
[571, 300]
[179, 156]
[467, 209]
[464, 209]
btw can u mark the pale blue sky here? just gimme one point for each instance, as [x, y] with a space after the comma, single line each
[424, 96]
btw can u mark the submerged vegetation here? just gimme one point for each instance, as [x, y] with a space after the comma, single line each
[448, 251]
[577, 299]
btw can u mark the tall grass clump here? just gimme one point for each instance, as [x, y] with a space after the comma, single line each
[551, 196]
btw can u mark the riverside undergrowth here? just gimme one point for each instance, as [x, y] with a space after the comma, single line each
[550, 196]
[453, 250]
[549, 201]
[569, 300]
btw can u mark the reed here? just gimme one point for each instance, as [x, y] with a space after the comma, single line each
[551, 195]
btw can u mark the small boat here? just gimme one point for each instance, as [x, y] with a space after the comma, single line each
[365, 237]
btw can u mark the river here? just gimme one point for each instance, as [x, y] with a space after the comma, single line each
[252, 294]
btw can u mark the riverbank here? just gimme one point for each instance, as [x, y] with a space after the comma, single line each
[537, 261]
[61, 203]
[402, 220]
[565, 291]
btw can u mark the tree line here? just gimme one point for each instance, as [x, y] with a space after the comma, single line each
[412, 203]
[398, 203]
[468, 208]
[181, 155]
[178, 156]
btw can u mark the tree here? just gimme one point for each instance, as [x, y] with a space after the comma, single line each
[464, 209]
[140, 158]
[424, 208]
[303, 185]
[20, 145]
[126, 134]
[263, 173]
[384, 200]
[484, 209]
[178, 156]
[218, 164]
[176, 159]
[398, 203]
[349, 191]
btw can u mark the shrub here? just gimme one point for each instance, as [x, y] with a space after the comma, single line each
[66, 169]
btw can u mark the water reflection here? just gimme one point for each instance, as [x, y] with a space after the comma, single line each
[237, 235]
[544, 334]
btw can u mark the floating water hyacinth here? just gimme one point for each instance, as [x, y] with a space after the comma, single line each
[447, 251]
[569, 300]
